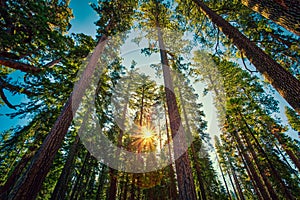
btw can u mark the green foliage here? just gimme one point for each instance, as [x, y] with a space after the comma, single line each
[293, 118]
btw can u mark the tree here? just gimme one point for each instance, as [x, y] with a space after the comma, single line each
[288, 88]
[183, 169]
[29, 184]
[281, 12]
[242, 126]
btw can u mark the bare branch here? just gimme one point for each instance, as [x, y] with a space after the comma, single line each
[5, 99]
[218, 41]
[14, 88]
[251, 71]
[52, 63]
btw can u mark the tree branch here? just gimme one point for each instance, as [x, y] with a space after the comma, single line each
[5, 99]
[19, 66]
[251, 71]
[217, 44]
[13, 88]
[52, 63]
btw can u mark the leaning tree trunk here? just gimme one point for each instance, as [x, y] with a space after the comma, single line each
[283, 12]
[274, 171]
[252, 169]
[28, 186]
[282, 80]
[236, 181]
[20, 168]
[289, 152]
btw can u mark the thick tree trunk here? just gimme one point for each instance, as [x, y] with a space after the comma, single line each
[282, 80]
[183, 168]
[283, 12]
[62, 183]
[173, 190]
[113, 184]
[28, 186]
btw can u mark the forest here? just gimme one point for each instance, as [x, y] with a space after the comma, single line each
[169, 99]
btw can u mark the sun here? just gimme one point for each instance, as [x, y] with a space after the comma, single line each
[147, 132]
[145, 140]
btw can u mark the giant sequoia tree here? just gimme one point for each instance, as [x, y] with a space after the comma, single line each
[39, 61]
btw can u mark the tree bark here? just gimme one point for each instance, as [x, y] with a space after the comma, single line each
[236, 181]
[261, 171]
[183, 169]
[283, 12]
[28, 186]
[76, 189]
[173, 190]
[282, 80]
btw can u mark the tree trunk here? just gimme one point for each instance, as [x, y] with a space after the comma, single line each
[183, 168]
[76, 189]
[251, 176]
[125, 187]
[291, 154]
[231, 182]
[195, 158]
[236, 181]
[173, 190]
[282, 80]
[223, 177]
[4, 190]
[283, 12]
[274, 171]
[261, 171]
[62, 183]
[100, 184]
[113, 184]
[256, 177]
[28, 186]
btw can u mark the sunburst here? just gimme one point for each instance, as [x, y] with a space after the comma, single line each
[145, 140]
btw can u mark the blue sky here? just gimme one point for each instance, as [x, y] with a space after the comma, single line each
[84, 22]
[84, 17]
